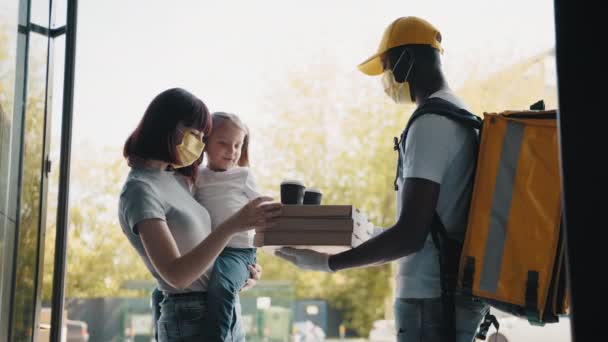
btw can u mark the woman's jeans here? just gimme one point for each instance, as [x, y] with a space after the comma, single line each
[181, 319]
[156, 297]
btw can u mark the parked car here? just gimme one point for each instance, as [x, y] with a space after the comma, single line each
[383, 331]
[78, 331]
[307, 331]
[72, 330]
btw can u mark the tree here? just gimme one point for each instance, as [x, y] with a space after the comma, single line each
[337, 135]
[29, 215]
[515, 87]
[334, 130]
[100, 259]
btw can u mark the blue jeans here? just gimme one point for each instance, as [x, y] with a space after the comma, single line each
[157, 297]
[418, 320]
[181, 319]
[230, 272]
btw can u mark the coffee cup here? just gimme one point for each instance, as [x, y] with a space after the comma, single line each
[312, 196]
[292, 192]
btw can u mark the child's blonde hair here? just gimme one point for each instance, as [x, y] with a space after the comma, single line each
[220, 118]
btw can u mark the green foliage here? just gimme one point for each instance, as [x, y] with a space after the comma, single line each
[100, 260]
[339, 138]
[333, 130]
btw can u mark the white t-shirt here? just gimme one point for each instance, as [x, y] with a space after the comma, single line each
[223, 194]
[150, 193]
[443, 151]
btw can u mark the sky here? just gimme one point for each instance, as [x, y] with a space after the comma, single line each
[235, 54]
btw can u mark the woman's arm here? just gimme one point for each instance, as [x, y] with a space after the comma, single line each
[181, 270]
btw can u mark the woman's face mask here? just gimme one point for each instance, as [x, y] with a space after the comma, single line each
[399, 92]
[189, 150]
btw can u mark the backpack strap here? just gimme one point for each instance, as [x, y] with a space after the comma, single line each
[440, 107]
[446, 109]
[539, 105]
[484, 327]
[449, 254]
[449, 249]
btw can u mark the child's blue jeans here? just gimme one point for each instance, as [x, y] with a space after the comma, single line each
[229, 275]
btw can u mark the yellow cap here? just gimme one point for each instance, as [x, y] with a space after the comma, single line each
[403, 31]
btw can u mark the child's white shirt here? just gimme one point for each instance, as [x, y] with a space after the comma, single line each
[223, 194]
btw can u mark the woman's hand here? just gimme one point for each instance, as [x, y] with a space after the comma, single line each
[258, 214]
[255, 272]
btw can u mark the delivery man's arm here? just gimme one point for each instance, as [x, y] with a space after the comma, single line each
[405, 237]
[408, 234]
[432, 143]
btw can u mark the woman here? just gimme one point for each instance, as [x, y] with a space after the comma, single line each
[164, 223]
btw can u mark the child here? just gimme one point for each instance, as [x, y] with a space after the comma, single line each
[223, 187]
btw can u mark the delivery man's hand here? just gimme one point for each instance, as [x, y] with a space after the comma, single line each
[305, 259]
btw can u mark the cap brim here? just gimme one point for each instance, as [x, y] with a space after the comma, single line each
[372, 66]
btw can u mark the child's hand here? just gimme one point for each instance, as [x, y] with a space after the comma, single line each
[256, 273]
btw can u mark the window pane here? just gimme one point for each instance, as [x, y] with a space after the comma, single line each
[54, 157]
[9, 12]
[60, 13]
[39, 12]
[312, 116]
[29, 212]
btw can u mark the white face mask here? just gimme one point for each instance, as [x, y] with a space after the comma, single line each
[399, 92]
